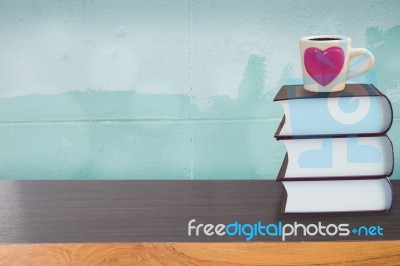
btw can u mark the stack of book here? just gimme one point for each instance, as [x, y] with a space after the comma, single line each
[338, 155]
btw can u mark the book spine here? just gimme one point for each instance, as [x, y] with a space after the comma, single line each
[391, 143]
[392, 194]
[391, 113]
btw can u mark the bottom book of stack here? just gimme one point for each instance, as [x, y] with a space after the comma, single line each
[335, 194]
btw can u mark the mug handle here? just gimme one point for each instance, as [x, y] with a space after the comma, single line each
[367, 64]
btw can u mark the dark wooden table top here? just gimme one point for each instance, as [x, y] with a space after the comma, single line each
[158, 211]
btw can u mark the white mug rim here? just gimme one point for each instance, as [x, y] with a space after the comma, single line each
[341, 38]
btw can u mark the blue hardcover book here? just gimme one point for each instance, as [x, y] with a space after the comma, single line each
[360, 109]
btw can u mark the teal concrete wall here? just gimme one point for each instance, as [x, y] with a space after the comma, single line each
[166, 90]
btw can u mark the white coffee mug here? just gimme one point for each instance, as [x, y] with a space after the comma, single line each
[325, 62]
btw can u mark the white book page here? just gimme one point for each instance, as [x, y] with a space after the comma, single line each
[343, 195]
[331, 116]
[333, 157]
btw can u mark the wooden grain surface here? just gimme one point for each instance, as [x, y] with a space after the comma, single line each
[158, 211]
[322, 253]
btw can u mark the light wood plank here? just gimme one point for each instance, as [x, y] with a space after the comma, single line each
[321, 253]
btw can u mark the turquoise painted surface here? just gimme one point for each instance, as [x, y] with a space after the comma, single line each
[95, 150]
[236, 150]
[384, 45]
[126, 135]
[181, 90]
[94, 105]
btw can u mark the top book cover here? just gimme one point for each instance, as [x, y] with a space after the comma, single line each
[293, 92]
[359, 109]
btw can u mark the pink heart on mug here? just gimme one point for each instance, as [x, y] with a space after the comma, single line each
[324, 66]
